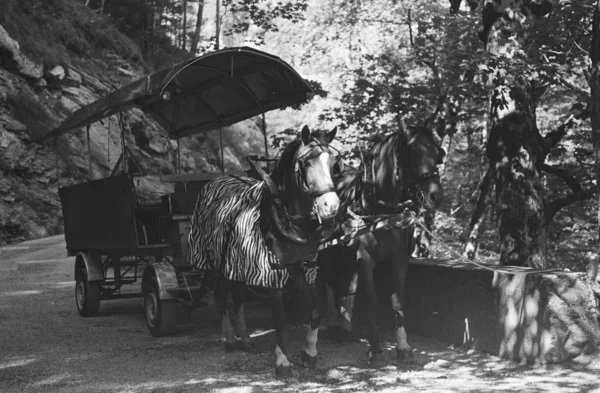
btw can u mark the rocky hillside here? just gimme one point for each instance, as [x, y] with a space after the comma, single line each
[36, 95]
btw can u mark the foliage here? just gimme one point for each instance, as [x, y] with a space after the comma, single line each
[264, 14]
[44, 28]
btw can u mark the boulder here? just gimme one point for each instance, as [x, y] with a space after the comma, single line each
[73, 78]
[55, 75]
[529, 318]
[12, 58]
[12, 124]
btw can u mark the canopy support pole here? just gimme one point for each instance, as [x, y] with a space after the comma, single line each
[222, 152]
[123, 153]
[108, 146]
[89, 153]
[264, 131]
[178, 156]
[56, 158]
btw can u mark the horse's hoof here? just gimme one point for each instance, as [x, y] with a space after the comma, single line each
[404, 354]
[307, 360]
[377, 360]
[248, 346]
[283, 371]
[230, 347]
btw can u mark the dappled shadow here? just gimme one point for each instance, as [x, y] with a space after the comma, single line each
[196, 361]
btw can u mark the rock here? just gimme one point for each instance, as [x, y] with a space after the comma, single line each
[126, 72]
[41, 83]
[157, 145]
[12, 58]
[547, 318]
[5, 139]
[69, 105]
[56, 73]
[73, 78]
[80, 95]
[12, 124]
[5, 185]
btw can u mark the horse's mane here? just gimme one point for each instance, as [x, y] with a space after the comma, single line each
[285, 161]
[384, 145]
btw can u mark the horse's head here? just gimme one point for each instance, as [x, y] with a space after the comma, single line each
[304, 175]
[315, 162]
[418, 156]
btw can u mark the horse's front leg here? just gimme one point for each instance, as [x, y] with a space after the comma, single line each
[283, 367]
[309, 292]
[367, 285]
[238, 293]
[346, 308]
[400, 261]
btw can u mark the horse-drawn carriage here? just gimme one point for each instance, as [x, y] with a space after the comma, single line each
[115, 237]
[282, 224]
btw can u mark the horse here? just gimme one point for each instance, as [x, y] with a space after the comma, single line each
[400, 167]
[262, 233]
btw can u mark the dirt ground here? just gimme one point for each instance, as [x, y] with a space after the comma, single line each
[45, 346]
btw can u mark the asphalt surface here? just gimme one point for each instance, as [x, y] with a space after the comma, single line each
[45, 346]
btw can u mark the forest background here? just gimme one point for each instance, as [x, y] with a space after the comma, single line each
[457, 67]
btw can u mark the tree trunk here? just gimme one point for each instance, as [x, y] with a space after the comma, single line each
[455, 6]
[485, 186]
[594, 82]
[184, 30]
[217, 24]
[515, 149]
[196, 36]
[422, 239]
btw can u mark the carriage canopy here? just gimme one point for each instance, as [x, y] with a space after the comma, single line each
[202, 94]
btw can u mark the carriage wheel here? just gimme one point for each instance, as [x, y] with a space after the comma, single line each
[161, 315]
[87, 294]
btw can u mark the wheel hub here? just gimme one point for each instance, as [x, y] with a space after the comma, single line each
[80, 294]
[151, 308]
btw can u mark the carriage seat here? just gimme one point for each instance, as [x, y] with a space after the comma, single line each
[187, 185]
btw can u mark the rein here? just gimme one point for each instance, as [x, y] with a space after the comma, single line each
[505, 269]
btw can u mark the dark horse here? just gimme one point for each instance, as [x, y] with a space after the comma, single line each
[257, 233]
[401, 167]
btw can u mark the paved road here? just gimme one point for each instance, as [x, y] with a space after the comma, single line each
[45, 346]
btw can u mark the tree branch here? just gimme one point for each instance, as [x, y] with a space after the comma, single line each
[558, 204]
[579, 194]
[554, 137]
[578, 90]
[566, 176]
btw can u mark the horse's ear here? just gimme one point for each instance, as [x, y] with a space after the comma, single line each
[306, 137]
[330, 135]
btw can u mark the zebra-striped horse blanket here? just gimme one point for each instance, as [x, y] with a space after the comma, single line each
[225, 234]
